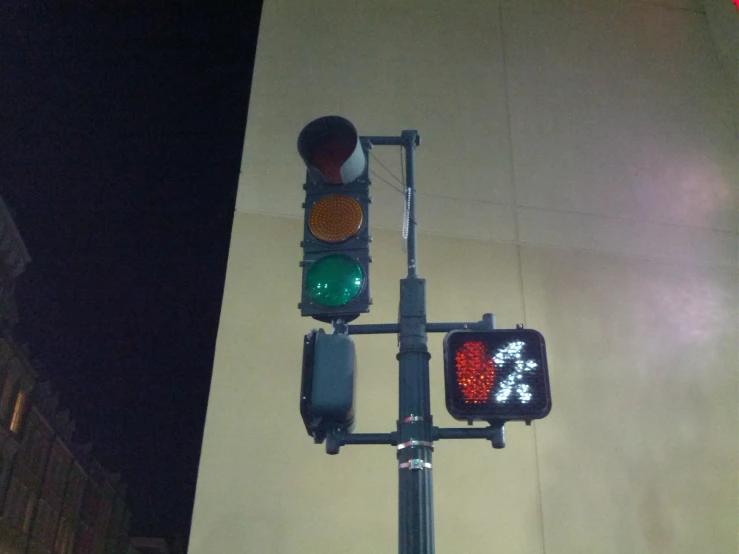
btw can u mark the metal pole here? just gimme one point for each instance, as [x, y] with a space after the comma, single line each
[415, 430]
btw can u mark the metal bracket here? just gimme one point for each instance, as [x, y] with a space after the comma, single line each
[413, 443]
[339, 327]
[415, 464]
[412, 419]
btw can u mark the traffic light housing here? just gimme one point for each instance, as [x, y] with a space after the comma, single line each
[496, 375]
[335, 281]
[327, 386]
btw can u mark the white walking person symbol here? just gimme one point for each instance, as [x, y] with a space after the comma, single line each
[512, 385]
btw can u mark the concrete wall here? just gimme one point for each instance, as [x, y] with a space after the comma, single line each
[577, 173]
[723, 19]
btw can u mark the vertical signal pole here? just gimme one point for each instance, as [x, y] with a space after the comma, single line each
[415, 438]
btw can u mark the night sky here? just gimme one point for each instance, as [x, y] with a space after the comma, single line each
[121, 129]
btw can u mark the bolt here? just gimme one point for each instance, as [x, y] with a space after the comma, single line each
[519, 325]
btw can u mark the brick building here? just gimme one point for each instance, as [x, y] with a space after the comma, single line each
[17, 380]
[54, 497]
[95, 512]
[47, 466]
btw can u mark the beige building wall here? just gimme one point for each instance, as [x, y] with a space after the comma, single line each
[578, 172]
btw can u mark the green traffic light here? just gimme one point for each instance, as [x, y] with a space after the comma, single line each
[334, 280]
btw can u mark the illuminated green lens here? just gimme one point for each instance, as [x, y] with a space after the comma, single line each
[334, 280]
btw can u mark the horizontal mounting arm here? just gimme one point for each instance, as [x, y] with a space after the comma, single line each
[395, 141]
[335, 440]
[495, 433]
[488, 322]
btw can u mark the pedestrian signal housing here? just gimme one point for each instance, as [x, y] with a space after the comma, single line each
[496, 375]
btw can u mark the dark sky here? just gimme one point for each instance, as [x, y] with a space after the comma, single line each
[121, 129]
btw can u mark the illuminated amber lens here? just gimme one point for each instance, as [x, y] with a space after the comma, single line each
[475, 371]
[335, 218]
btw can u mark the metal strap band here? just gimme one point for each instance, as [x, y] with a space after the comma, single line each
[411, 444]
[415, 464]
[412, 419]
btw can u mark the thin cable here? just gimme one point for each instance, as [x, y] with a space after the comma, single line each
[402, 166]
[406, 206]
[402, 169]
[386, 181]
[406, 218]
[519, 256]
[386, 168]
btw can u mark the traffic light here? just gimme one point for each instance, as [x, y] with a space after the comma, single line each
[496, 375]
[327, 387]
[336, 231]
